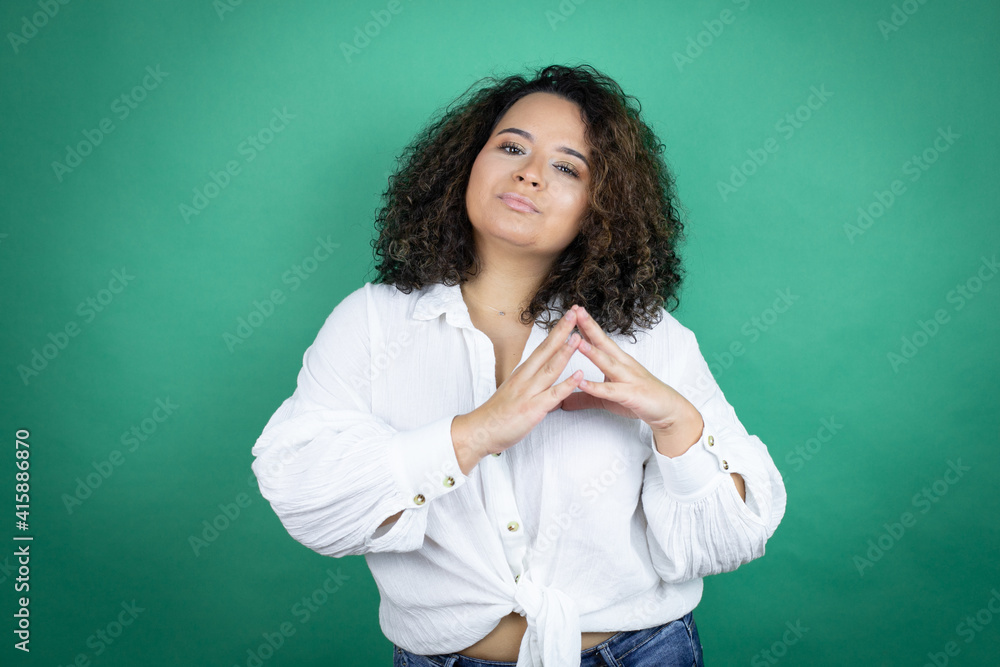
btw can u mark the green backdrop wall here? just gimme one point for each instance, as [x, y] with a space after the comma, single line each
[169, 166]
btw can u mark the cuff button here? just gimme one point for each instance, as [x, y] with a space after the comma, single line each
[711, 441]
[419, 499]
[725, 464]
[449, 481]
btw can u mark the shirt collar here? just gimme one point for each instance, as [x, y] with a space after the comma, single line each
[438, 298]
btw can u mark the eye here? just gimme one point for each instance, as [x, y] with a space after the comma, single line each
[569, 170]
[563, 167]
[504, 146]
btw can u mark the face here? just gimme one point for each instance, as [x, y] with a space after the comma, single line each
[528, 186]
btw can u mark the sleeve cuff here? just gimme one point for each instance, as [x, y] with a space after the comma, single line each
[424, 463]
[696, 472]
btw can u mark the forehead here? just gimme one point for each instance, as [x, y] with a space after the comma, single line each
[548, 114]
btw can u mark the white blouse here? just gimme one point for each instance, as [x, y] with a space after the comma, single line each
[582, 526]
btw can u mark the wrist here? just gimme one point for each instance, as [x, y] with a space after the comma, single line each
[462, 437]
[677, 436]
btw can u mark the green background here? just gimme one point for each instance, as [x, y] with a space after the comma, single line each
[856, 296]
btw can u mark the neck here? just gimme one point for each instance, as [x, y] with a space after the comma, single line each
[506, 283]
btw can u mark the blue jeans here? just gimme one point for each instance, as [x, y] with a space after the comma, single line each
[672, 644]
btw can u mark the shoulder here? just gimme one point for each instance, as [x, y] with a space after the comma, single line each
[673, 328]
[383, 294]
[375, 295]
[669, 349]
[375, 304]
[357, 313]
[668, 332]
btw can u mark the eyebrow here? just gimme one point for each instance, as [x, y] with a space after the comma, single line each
[529, 137]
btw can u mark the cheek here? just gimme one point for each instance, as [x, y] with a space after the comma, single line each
[575, 204]
[478, 178]
[473, 192]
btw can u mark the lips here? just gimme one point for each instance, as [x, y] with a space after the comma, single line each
[518, 202]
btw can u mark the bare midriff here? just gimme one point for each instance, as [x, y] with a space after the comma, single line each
[503, 642]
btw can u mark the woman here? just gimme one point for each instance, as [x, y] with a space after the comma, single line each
[529, 451]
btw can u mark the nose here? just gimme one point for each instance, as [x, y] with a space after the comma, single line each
[530, 170]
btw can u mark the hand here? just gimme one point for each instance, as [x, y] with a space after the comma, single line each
[632, 391]
[521, 401]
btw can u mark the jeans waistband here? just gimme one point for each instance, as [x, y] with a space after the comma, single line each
[618, 645]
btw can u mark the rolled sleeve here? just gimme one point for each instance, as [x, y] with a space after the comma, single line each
[695, 473]
[424, 463]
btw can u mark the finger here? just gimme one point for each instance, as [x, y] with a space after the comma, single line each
[606, 391]
[555, 365]
[552, 343]
[557, 362]
[557, 393]
[609, 365]
[595, 334]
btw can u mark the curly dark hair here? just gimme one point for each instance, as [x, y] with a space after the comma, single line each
[623, 266]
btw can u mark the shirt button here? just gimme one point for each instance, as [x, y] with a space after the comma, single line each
[725, 465]
[517, 578]
[497, 454]
[419, 499]
[449, 481]
[512, 526]
[711, 441]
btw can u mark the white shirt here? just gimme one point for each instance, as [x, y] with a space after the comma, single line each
[582, 526]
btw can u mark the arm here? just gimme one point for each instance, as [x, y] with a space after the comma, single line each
[336, 474]
[464, 453]
[701, 519]
[671, 442]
